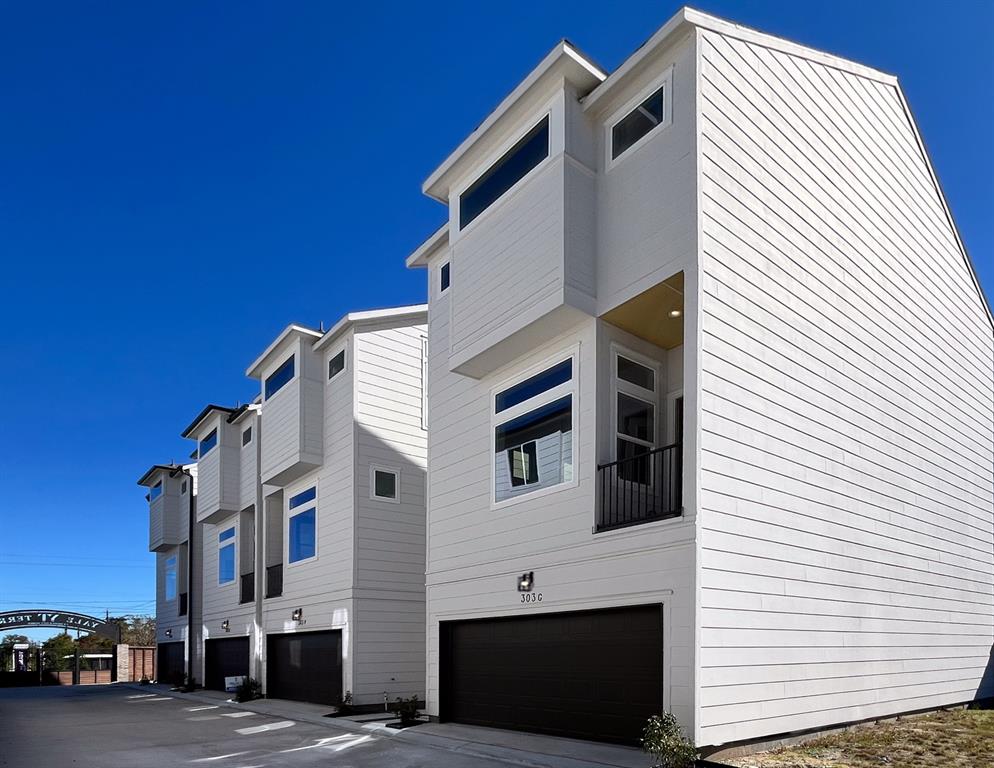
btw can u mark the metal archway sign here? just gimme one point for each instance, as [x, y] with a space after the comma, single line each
[60, 619]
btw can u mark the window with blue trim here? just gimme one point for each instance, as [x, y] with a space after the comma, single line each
[280, 377]
[226, 556]
[156, 491]
[302, 536]
[170, 578]
[303, 497]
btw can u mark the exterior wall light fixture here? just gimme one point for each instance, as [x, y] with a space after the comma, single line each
[298, 615]
[225, 626]
[169, 633]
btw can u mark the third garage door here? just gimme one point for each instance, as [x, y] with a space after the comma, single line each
[305, 666]
[587, 674]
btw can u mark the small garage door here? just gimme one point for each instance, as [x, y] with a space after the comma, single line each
[170, 666]
[589, 675]
[225, 657]
[305, 666]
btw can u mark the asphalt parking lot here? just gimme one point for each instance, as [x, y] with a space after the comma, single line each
[103, 726]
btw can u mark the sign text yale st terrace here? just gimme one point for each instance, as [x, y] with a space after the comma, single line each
[703, 390]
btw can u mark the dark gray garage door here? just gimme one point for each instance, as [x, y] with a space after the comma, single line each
[226, 657]
[170, 664]
[589, 675]
[305, 666]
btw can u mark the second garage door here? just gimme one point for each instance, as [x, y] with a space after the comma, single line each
[225, 657]
[305, 666]
[588, 674]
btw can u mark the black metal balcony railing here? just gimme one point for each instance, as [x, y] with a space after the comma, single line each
[182, 603]
[640, 489]
[247, 588]
[274, 580]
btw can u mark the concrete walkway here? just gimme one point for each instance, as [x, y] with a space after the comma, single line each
[513, 747]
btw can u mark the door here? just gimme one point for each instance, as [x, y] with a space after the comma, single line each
[171, 667]
[225, 657]
[305, 666]
[587, 674]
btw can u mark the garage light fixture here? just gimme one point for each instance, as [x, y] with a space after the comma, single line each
[169, 633]
[675, 313]
[225, 626]
[526, 581]
[298, 615]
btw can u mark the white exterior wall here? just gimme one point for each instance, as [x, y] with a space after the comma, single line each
[846, 416]
[476, 551]
[389, 638]
[321, 586]
[219, 471]
[248, 475]
[221, 601]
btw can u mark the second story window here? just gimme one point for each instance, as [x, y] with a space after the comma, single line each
[336, 365]
[170, 578]
[533, 432]
[226, 556]
[279, 378]
[383, 485]
[530, 150]
[207, 444]
[156, 491]
[247, 436]
[302, 533]
[443, 278]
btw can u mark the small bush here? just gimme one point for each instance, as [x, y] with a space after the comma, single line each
[663, 740]
[407, 710]
[145, 680]
[248, 690]
[344, 704]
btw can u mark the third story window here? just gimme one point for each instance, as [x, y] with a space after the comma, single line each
[171, 578]
[247, 436]
[279, 378]
[443, 277]
[515, 164]
[637, 123]
[302, 536]
[226, 556]
[156, 491]
[533, 433]
[384, 484]
[336, 365]
[207, 443]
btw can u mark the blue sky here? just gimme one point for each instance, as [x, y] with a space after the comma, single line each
[178, 181]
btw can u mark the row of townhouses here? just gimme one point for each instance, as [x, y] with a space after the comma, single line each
[698, 418]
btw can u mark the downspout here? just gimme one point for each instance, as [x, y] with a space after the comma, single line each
[259, 556]
[189, 583]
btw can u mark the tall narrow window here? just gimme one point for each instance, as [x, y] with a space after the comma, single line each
[336, 365]
[443, 278]
[226, 556]
[156, 491]
[207, 443]
[533, 432]
[635, 418]
[302, 533]
[513, 166]
[247, 436]
[280, 377]
[170, 578]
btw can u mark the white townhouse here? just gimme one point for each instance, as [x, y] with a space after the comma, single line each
[172, 535]
[710, 402]
[310, 516]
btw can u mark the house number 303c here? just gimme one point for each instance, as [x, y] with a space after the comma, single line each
[531, 597]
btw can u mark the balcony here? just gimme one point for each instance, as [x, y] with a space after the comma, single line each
[183, 603]
[274, 580]
[640, 489]
[247, 594]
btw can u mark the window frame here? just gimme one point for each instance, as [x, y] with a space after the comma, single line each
[510, 467]
[343, 351]
[445, 274]
[222, 529]
[424, 383]
[395, 471]
[664, 81]
[165, 578]
[622, 386]
[152, 495]
[213, 433]
[290, 513]
[455, 197]
[266, 396]
[569, 388]
[247, 431]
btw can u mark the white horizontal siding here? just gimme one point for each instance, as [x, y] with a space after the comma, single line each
[846, 417]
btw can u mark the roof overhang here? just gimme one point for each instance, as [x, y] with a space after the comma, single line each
[563, 61]
[290, 331]
[427, 249]
[395, 314]
[206, 413]
[155, 469]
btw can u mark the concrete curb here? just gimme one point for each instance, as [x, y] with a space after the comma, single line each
[505, 754]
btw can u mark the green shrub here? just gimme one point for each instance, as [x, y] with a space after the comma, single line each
[663, 739]
[344, 704]
[407, 710]
[248, 689]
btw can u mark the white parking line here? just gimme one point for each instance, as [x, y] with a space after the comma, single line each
[354, 743]
[239, 714]
[143, 696]
[218, 757]
[201, 709]
[279, 725]
[320, 743]
[159, 698]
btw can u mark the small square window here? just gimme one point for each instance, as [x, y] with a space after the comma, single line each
[247, 436]
[443, 278]
[182, 488]
[384, 486]
[336, 365]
